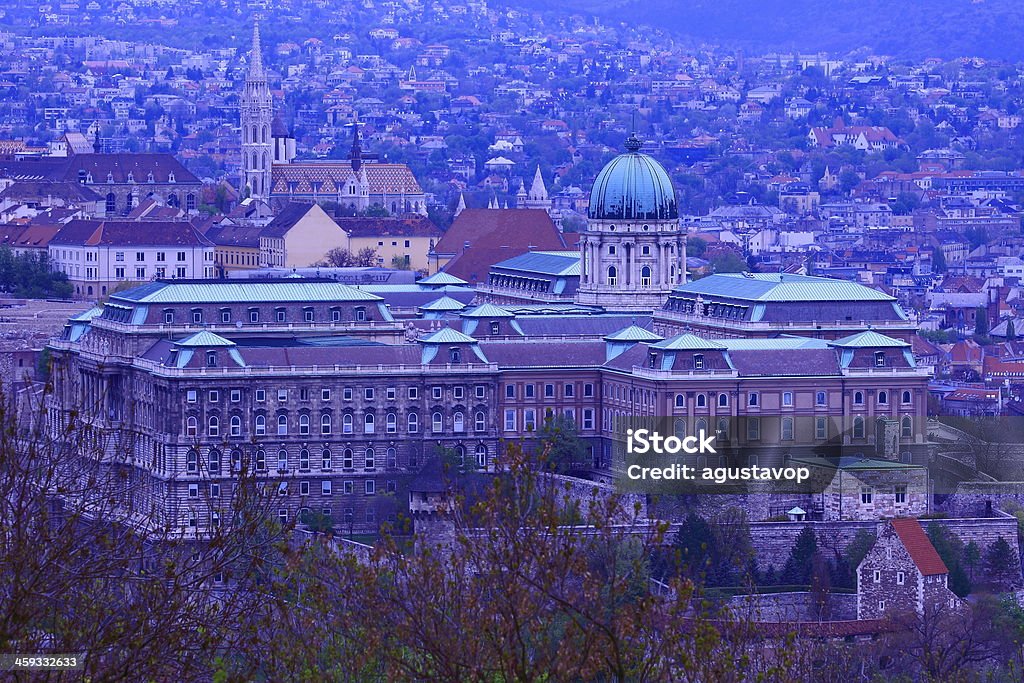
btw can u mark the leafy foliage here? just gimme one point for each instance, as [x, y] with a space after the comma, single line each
[31, 276]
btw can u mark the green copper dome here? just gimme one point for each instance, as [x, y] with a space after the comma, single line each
[633, 186]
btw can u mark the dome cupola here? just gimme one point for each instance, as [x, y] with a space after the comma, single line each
[633, 186]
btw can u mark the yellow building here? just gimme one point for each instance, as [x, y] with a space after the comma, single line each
[399, 242]
[299, 236]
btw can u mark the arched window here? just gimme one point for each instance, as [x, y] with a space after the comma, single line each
[858, 427]
[907, 427]
[437, 421]
[858, 398]
[191, 426]
[723, 427]
[192, 462]
[883, 398]
[303, 424]
[214, 461]
[282, 424]
[325, 459]
[645, 276]
[368, 424]
[480, 421]
[679, 428]
[282, 459]
[346, 424]
[236, 425]
[481, 455]
[368, 459]
[391, 423]
[392, 456]
[261, 425]
[111, 202]
[613, 276]
[414, 423]
[723, 400]
[459, 421]
[325, 424]
[261, 460]
[701, 427]
[172, 200]
[190, 202]
[304, 459]
[213, 426]
[905, 398]
[680, 401]
[702, 401]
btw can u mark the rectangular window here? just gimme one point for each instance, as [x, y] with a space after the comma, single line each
[588, 418]
[787, 399]
[459, 393]
[510, 420]
[261, 395]
[878, 576]
[569, 390]
[900, 494]
[303, 394]
[193, 490]
[236, 395]
[529, 391]
[530, 420]
[325, 487]
[368, 393]
[191, 395]
[303, 488]
[481, 391]
[753, 428]
[901, 578]
[214, 490]
[346, 394]
[371, 487]
[588, 390]
[181, 256]
[821, 398]
[349, 487]
[391, 393]
[820, 428]
[435, 392]
[867, 495]
[325, 394]
[549, 391]
[282, 395]
[510, 391]
[214, 396]
[753, 398]
[787, 429]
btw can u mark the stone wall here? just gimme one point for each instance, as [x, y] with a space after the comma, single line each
[773, 541]
[793, 607]
[584, 493]
[979, 498]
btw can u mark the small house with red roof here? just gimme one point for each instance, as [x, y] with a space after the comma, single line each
[903, 574]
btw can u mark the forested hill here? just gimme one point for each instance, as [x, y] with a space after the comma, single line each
[993, 29]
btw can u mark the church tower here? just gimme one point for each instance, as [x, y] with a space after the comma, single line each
[633, 252]
[538, 197]
[257, 117]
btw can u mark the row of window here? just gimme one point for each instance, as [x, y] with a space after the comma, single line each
[347, 424]
[753, 425]
[216, 463]
[280, 315]
[549, 390]
[820, 399]
[347, 393]
[326, 488]
[348, 517]
[529, 416]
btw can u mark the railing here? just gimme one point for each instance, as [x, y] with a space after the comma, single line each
[654, 373]
[232, 328]
[889, 370]
[448, 368]
[785, 325]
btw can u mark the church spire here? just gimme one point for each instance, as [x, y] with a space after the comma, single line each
[256, 56]
[357, 151]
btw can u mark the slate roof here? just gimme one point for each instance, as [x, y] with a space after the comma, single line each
[545, 353]
[118, 166]
[780, 287]
[242, 291]
[800, 362]
[130, 234]
[394, 179]
[921, 550]
[576, 325]
[563, 263]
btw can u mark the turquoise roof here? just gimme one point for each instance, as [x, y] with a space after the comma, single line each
[447, 335]
[633, 333]
[563, 263]
[633, 186]
[445, 303]
[869, 339]
[781, 287]
[441, 278]
[243, 291]
[688, 342]
[204, 338]
[487, 311]
[85, 316]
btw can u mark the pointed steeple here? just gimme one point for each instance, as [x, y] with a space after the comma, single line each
[357, 151]
[538, 191]
[461, 206]
[256, 56]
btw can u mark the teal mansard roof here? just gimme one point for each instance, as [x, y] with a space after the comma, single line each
[633, 186]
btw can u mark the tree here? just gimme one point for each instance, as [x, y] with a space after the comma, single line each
[695, 246]
[848, 180]
[981, 321]
[971, 558]
[560, 444]
[951, 550]
[1001, 557]
[343, 258]
[797, 570]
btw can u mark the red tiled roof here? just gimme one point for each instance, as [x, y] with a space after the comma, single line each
[921, 550]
